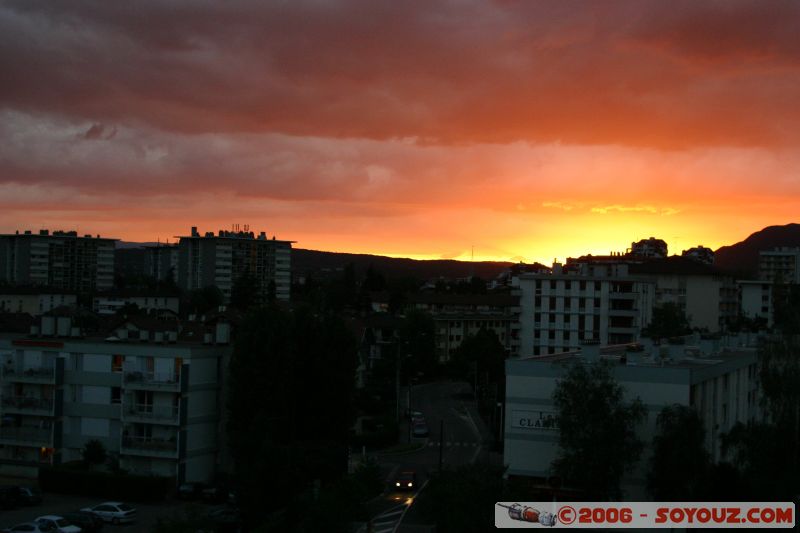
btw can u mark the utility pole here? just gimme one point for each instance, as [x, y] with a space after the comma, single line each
[441, 443]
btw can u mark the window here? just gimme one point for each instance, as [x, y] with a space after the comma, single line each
[116, 363]
[116, 395]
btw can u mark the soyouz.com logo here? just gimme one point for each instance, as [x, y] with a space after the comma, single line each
[629, 515]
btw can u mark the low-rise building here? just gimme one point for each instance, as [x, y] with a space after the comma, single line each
[34, 300]
[718, 378]
[458, 316]
[110, 302]
[148, 390]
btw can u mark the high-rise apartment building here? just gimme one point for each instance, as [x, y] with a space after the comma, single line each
[61, 260]
[223, 258]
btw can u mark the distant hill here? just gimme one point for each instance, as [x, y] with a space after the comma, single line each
[316, 262]
[743, 256]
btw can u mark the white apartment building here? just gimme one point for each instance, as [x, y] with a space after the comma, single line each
[707, 297]
[779, 265]
[61, 260]
[151, 394]
[221, 259]
[559, 311]
[718, 378]
[755, 300]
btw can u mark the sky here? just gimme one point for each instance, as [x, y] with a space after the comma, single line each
[525, 131]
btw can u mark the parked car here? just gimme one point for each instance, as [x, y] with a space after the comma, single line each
[416, 416]
[10, 497]
[406, 480]
[30, 495]
[113, 512]
[30, 527]
[88, 522]
[190, 491]
[419, 429]
[58, 523]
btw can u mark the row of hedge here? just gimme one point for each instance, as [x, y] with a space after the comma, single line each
[105, 485]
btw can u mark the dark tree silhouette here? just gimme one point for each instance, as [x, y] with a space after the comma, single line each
[597, 437]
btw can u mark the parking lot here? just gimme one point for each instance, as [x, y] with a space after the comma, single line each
[147, 517]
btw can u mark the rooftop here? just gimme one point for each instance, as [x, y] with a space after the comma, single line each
[57, 233]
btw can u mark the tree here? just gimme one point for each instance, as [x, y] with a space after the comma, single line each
[680, 463]
[94, 453]
[290, 395]
[668, 320]
[204, 300]
[417, 344]
[597, 438]
[246, 292]
[761, 453]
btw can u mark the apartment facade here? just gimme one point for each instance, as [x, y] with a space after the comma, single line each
[61, 260]
[458, 316]
[562, 310]
[223, 258]
[719, 381]
[780, 265]
[755, 300]
[152, 398]
[707, 297]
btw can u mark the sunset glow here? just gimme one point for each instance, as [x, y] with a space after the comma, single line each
[523, 130]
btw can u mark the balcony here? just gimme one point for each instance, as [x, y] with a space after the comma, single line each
[150, 447]
[150, 414]
[26, 436]
[44, 374]
[166, 381]
[27, 406]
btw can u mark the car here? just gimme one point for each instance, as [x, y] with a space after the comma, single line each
[406, 480]
[88, 522]
[113, 512]
[190, 491]
[30, 495]
[58, 523]
[30, 527]
[419, 429]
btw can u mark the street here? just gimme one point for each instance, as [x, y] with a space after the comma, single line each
[445, 405]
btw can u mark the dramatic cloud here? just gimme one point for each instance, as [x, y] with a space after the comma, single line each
[348, 125]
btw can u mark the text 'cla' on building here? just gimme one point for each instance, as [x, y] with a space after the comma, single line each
[223, 258]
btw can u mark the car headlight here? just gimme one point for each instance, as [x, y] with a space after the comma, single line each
[409, 483]
[398, 483]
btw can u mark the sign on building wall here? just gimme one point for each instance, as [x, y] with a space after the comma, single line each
[534, 419]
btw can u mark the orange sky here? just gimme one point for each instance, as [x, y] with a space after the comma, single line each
[529, 130]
